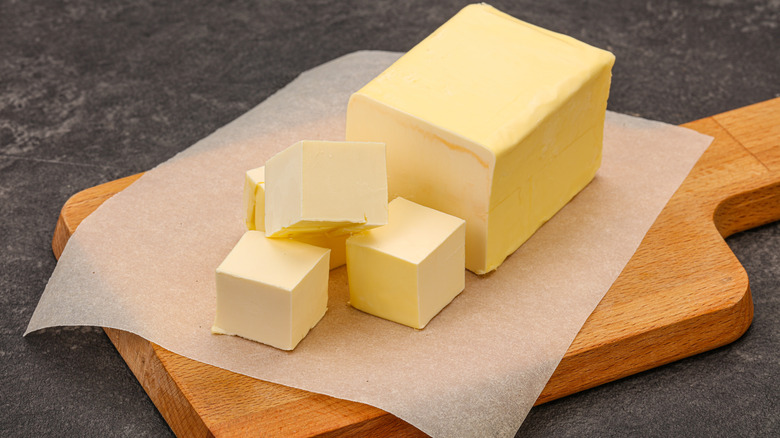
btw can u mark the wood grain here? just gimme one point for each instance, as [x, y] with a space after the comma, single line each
[683, 292]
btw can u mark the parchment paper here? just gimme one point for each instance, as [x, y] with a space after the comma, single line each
[144, 262]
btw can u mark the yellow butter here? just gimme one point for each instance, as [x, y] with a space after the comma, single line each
[254, 202]
[254, 195]
[336, 244]
[492, 120]
[409, 269]
[271, 291]
[326, 187]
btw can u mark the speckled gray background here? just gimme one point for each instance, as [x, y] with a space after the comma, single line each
[93, 91]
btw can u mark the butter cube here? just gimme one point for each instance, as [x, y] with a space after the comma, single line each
[254, 197]
[326, 187]
[336, 244]
[492, 120]
[254, 201]
[271, 290]
[409, 269]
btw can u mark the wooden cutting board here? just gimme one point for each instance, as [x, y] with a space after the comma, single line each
[683, 292]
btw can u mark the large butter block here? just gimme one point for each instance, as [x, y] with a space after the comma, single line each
[254, 203]
[271, 290]
[409, 269]
[326, 186]
[492, 120]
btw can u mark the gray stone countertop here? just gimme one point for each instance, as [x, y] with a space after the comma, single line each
[94, 91]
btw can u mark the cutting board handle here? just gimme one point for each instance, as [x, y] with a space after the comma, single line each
[748, 210]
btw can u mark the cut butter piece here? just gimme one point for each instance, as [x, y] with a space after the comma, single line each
[492, 120]
[254, 201]
[254, 197]
[409, 269]
[336, 244]
[271, 291]
[326, 187]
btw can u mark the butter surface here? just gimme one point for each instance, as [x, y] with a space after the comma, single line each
[489, 119]
[254, 201]
[326, 187]
[409, 269]
[271, 291]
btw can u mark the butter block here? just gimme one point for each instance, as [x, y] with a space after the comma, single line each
[326, 187]
[254, 201]
[409, 269]
[271, 291]
[492, 120]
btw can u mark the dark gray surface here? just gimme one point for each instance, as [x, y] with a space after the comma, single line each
[92, 91]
